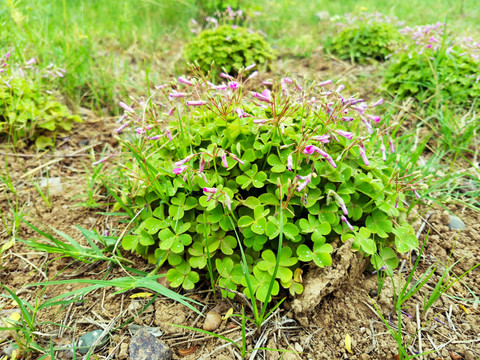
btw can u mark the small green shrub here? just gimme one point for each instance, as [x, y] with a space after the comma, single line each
[210, 168]
[230, 48]
[435, 68]
[364, 38]
[27, 111]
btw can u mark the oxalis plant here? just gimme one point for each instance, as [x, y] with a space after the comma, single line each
[28, 110]
[435, 67]
[249, 187]
[364, 37]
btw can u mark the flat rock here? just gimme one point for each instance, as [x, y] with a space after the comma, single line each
[455, 223]
[87, 340]
[144, 346]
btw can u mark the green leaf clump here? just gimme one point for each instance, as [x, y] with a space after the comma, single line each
[435, 68]
[29, 113]
[364, 38]
[228, 48]
[205, 184]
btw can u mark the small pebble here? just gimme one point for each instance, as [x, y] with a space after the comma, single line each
[373, 293]
[212, 321]
[455, 223]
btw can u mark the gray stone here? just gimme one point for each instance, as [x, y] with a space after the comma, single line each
[155, 331]
[455, 223]
[87, 340]
[144, 346]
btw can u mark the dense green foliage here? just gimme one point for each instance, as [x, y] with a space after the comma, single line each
[245, 160]
[435, 67]
[366, 42]
[28, 113]
[364, 37]
[228, 47]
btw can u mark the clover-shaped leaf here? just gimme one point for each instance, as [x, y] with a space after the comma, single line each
[175, 241]
[364, 239]
[386, 259]
[276, 164]
[259, 223]
[231, 275]
[219, 240]
[379, 223]
[182, 274]
[252, 177]
[405, 238]
[320, 254]
[314, 226]
[286, 260]
[260, 283]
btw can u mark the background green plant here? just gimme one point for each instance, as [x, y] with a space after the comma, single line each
[230, 48]
[28, 112]
[364, 42]
[435, 78]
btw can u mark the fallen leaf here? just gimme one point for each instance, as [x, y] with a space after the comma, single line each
[228, 314]
[348, 343]
[464, 309]
[396, 357]
[297, 275]
[141, 295]
[185, 352]
[455, 356]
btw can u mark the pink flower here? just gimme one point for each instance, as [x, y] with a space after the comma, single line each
[224, 160]
[392, 147]
[344, 118]
[361, 149]
[126, 107]
[184, 161]
[267, 83]
[122, 127]
[210, 190]
[160, 87]
[155, 137]
[184, 81]
[233, 85]
[196, 103]
[310, 149]
[383, 150]
[287, 80]
[220, 87]
[417, 195]
[177, 94]
[179, 170]
[345, 134]
[226, 76]
[340, 88]
[260, 121]
[169, 134]
[378, 102]
[236, 158]
[344, 219]
[31, 61]
[375, 118]
[240, 112]
[250, 67]
[307, 179]
[324, 83]
[140, 130]
[261, 96]
[290, 162]
[202, 164]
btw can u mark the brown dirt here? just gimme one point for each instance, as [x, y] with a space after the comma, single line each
[336, 301]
